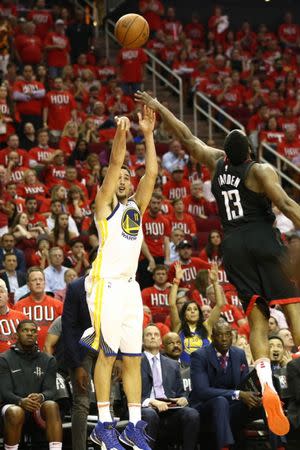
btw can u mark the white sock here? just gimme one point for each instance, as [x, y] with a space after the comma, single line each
[264, 373]
[55, 445]
[134, 412]
[104, 412]
[11, 447]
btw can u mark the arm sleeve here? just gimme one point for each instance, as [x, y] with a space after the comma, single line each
[49, 383]
[6, 386]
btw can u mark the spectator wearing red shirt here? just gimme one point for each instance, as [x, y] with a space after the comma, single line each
[6, 121]
[230, 98]
[38, 306]
[28, 95]
[257, 123]
[290, 147]
[59, 108]
[35, 219]
[17, 171]
[56, 170]
[82, 65]
[156, 296]
[189, 264]
[172, 26]
[29, 46]
[196, 205]
[275, 104]
[13, 143]
[152, 11]
[120, 104]
[42, 18]
[169, 51]
[8, 8]
[39, 155]
[32, 187]
[194, 30]
[178, 186]
[131, 64]
[182, 220]
[255, 96]
[104, 69]
[288, 32]
[218, 24]
[272, 135]
[288, 120]
[57, 47]
[9, 320]
[247, 38]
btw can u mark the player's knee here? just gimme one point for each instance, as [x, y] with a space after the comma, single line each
[14, 416]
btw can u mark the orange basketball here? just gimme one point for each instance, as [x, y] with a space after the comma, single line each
[132, 31]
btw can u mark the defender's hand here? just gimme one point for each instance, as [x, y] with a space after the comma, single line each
[144, 97]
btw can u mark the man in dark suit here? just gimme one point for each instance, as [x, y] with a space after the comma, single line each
[163, 398]
[79, 360]
[217, 374]
[293, 380]
[8, 246]
[13, 278]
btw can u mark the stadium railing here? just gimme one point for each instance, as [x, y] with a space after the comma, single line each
[158, 70]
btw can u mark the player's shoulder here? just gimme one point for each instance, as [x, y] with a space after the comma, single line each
[261, 170]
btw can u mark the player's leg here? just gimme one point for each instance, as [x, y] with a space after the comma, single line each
[292, 313]
[132, 385]
[102, 382]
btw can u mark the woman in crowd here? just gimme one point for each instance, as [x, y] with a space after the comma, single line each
[41, 257]
[213, 249]
[32, 187]
[60, 235]
[69, 138]
[194, 332]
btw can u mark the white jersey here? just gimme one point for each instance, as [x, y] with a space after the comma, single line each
[120, 241]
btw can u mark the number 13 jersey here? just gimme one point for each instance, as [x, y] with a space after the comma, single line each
[238, 205]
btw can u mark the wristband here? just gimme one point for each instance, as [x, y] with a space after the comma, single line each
[176, 281]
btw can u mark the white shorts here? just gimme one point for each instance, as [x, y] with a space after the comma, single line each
[116, 311]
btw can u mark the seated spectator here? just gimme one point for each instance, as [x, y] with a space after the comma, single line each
[70, 275]
[8, 246]
[41, 153]
[28, 138]
[9, 319]
[32, 187]
[88, 131]
[288, 342]
[288, 31]
[273, 326]
[54, 273]
[156, 296]
[13, 278]
[21, 230]
[60, 235]
[41, 257]
[217, 374]
[78, 199]
[278, 356]
[293, 381]
[77, 257]
[175, 157]
[177, 186]
[29, 392]
[39, 306]
[190, 265]
[172, 347]
[69, 137]
[177, 235]
[290, 146]
[213, 249]
[189, 324]
[181, 219]
[57, 208]
[155, 386]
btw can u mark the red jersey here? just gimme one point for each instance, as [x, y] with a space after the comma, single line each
[155, 229]
[232, 314]
[173, 189]
[271, 137]
[60, 105]
[187, 223]
[156, 299]
[8, 328]
[289, 149]
[37, 218]
[131, 63]
[197, 206]
[43, 313]
[29, 48]
[23, 156]
[32, 190]
[40, 154]
[152, 16]
[190, 271]
[43, 21]
[289, 32]
[55, 175]
[105, 72]
[57, 57]
[18, 173]
[67, 144]
[30, 106]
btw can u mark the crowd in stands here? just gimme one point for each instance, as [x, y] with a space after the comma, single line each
[58, 99]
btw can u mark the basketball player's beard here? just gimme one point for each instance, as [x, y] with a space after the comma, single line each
[122, 197]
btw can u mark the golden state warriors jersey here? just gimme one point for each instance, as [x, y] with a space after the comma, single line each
[120, 241]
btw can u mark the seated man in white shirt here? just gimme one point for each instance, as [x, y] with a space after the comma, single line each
[176, 156]
[54, 273]
[165, 406]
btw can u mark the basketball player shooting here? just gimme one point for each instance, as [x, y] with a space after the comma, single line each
[254, 256]
[113, 295]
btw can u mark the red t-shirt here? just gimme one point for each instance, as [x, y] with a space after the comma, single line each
[155, 229]
[32, 190]
[33, 106]
[153, 17]
[190, 271]
[57, 57]
[60, 105]
[289, 149]
[67, 144]
[126, 104]
[105, 72]
[289, 32]
[43, 313]
[197, 207]
[40, 155]
[43, 21]
[18, 173]
[8, 325]
[173, 189]
[23, 156]
[232, 314]
[131, 63]
[156, 299]
[187, 223]
[271, 137]
[55, 175]
[30, 48]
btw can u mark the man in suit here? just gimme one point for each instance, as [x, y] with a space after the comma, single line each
[217, 374]
[13, 278]
[162, 390]
[79, 360]
[293, 380]
[8, 246]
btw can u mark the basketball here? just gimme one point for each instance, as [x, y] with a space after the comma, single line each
[132, 31]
